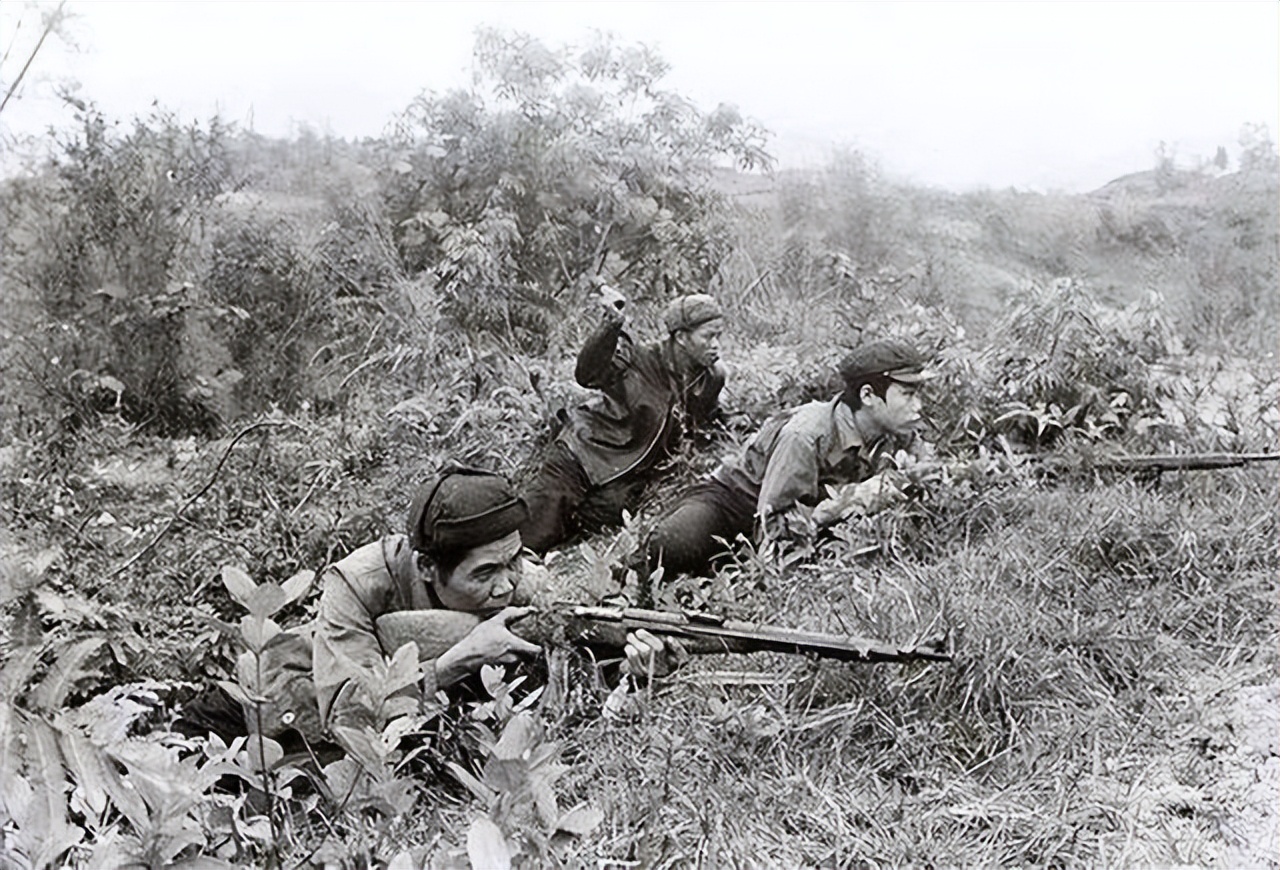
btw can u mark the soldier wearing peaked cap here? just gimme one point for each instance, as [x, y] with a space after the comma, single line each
[648, 396]
[787, 466]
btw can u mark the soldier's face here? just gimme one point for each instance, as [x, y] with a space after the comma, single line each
[702, 344]
[898, 413]
[486, 578]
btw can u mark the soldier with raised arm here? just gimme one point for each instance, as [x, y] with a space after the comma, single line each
[647, 397]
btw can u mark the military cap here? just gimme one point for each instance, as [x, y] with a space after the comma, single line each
[892, 359]
[690, 312]
[461, 508]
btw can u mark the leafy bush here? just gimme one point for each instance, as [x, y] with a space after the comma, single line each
[118, 218]
[556, 168]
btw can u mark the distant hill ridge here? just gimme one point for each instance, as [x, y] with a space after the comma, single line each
[1180, 233]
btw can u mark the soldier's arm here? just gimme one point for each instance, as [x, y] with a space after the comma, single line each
[346, 644]
[864, 498]
[602, 358]
[791, 475]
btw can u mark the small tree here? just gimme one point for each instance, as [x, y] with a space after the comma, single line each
[118, 215]
[556, 166]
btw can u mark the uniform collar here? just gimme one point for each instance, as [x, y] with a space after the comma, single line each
[401, 561]
[848, 436]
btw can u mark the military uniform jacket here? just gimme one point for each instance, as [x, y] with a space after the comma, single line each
[797, 453]
[373, 580]
[308, 675]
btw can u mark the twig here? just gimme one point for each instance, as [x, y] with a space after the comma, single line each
[314, 483]
[213, 477]
[51, 23]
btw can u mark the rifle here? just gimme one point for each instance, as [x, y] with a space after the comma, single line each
[605, 629]
[921, 475]
[1159, 462]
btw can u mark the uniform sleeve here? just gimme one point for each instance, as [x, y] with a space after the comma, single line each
[792, 472]
[346, 649]
[602, 358]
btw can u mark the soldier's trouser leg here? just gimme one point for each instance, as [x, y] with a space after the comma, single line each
[603, 506]
[685, 540]
[553, 498]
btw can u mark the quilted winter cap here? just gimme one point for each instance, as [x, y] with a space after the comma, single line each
[893, 359]
[461, 508]
[690, 312]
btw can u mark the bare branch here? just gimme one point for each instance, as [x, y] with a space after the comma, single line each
[52, 22]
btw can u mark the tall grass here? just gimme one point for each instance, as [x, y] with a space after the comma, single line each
[1082, 629]
[1102, 626]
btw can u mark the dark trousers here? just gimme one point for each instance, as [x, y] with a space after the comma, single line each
[563, 503]
[684, 541]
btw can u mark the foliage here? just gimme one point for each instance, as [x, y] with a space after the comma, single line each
[399, 317]
[117, 217]
[556, 168]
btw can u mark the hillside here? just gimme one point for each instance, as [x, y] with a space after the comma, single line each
[231, 361]
[1186, 236]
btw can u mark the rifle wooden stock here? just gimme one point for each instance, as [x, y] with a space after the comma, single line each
[605, 629]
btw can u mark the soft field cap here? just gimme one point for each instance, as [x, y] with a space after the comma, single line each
[690, 312]
[893, 359]
[461, 508]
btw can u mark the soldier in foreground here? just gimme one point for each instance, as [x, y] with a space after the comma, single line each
[462, 553]
[778, 485]
[610, 446]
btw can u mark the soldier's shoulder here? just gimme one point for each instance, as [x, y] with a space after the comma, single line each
[374, 555]
[810, 415]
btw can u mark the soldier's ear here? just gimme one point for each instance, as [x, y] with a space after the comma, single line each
[427, 567]
[866, 393]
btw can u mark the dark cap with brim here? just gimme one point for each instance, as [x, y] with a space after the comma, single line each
[462, 508]
[910, 376]
[891, 359]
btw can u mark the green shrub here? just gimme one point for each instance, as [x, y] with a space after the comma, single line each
[516, 193]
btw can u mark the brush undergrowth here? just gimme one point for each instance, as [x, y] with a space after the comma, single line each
[1089, 617]
[232, 353]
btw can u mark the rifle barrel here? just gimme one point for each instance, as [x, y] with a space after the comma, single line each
[1185, 461]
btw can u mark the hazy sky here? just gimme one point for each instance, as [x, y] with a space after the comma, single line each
[1038, 95]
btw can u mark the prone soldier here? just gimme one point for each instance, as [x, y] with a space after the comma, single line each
[779, 483]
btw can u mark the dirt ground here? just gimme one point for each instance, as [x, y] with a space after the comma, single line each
[1250, 783]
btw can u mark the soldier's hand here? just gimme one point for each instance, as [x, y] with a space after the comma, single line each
[613, 304]
[650, 656]
[490, 642]
[493, 641]
[868, 497]
[831, 509]
[886, 489]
